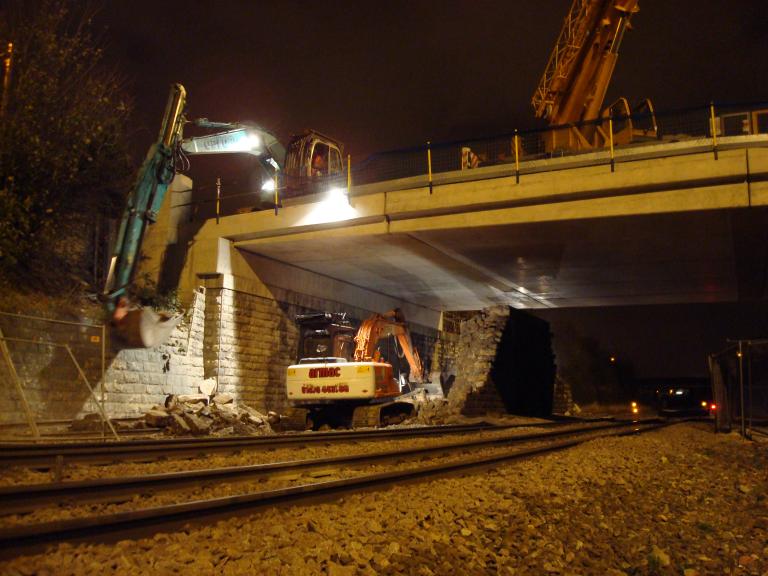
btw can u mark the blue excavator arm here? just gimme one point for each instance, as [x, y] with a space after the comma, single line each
[144, 327]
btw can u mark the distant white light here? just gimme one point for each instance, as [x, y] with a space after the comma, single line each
[268, 186]
[679, 392]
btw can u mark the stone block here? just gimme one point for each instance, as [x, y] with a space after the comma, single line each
[198, 424]
[179, 425]
[157, 417]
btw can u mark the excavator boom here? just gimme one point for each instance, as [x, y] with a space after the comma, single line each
[238, 138]
[144, 327]
[378, 326]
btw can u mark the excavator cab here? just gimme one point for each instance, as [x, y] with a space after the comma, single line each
[325, 337]
[311, 158]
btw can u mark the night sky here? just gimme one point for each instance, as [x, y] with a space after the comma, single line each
[383, 75]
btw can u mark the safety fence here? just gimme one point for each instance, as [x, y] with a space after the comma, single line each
[643, 128]
[739, 375]
[50, 370]
[614, 134]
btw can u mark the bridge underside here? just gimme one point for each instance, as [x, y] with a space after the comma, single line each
[707, 256]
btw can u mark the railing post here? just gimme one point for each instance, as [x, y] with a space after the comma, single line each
[218, 198]
[277, 192]
[740, 354]
[610, 140]
[7, 64]
[517, 158]
[103, 371]
[429, 165]
[349, 174]
[713, 127]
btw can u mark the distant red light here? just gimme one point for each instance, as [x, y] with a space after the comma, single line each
[713, 407]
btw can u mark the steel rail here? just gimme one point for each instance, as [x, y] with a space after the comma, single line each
[23, 539]
[17, 499]
[56, 454]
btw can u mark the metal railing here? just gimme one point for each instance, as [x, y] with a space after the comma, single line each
[613, 137]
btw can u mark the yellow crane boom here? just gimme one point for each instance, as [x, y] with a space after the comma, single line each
[573, 87]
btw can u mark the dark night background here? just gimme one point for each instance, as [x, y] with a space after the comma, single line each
[383, 75]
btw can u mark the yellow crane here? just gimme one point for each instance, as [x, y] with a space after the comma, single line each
[572, 90]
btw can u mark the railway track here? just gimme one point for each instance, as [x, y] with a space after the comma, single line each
[147, 450]
[269, 484]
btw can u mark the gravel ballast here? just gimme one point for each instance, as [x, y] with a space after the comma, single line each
[678, 501]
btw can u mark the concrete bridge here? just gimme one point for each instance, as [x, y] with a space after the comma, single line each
[671, 223]
[667, 223]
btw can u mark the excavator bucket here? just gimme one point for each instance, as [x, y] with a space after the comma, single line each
[145, 328]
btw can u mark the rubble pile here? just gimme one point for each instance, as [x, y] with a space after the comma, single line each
[200, 414]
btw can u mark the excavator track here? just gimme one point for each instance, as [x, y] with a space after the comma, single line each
[382, 414]
[294, 419]
[367, 416]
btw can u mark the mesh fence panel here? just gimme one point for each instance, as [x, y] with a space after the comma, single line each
[740, 379]
[49, 376]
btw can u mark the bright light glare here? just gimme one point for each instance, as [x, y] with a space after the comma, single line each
[251, 142]
[704, 403]
[634, 404]
[713, 407]
[679, 392]
[268, 186]
[333, 208]
[337, 195]
[634, 410]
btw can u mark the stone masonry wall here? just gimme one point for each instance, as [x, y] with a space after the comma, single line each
[242, 342]
[505, 364]
[473, 392]
[250, 342]
[563, 399]
[137, 378]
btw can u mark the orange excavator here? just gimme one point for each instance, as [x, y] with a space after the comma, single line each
[333, 384]
[572, 90]
[379, 326]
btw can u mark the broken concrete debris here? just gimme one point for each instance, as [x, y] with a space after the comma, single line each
[198, 414]
[195, 414]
